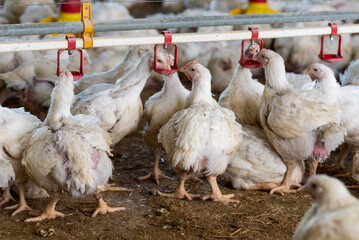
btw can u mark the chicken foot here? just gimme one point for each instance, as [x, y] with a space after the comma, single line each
[6, 196]
[287, 181]
[103, 208]
[156, 173]
[22, 205]
[109, 187]
[180, 192]
[216, 194]
[49, 211]
[264, 186]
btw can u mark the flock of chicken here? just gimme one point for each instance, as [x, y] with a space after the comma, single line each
[256, 136]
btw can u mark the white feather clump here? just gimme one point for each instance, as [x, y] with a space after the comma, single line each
[256, 162]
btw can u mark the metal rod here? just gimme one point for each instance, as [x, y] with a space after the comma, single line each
[177, 22]
[176, 38]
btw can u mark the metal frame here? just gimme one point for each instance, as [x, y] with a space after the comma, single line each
[177, 22]
[176, 38]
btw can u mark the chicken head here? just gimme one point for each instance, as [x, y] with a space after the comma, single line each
[191, 70]
[317, 71]
[322, 188]
[164, 60]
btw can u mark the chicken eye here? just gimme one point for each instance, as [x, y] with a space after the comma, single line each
[262, 56]
[192, 69]
[158, 60]
[315, 69]
[314, 186]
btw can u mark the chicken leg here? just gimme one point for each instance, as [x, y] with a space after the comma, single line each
[344, 151]
[312, 164]
[287, 181]
[350, 171]
[216, 194]
[180, 192]
[103, 208]
[22, 205]
[49, 212]
[156, 173]
[6, 196]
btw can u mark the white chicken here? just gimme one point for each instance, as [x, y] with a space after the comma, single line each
[159, 108]
[201, 138]
[7, 177]
[69, 153]
[334, 215]
[222, 66]
[243, 96]
[129, 62]
[179, 6]
[256, 165]
[300, 124]
[351, 74]
[36, 13]
[119, 106]
[36, 79]
[15, 8]
[15, 125]
[348, 99]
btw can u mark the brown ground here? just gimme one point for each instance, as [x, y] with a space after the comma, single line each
[257, 216]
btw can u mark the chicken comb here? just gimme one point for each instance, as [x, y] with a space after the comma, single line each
[190, 63]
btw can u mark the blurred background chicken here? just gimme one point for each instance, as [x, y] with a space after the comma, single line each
[159, 108]
[69, 153]
[200, 138]
[334, 215]
[34, 80]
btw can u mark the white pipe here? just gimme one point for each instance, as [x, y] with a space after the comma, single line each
[177, 38]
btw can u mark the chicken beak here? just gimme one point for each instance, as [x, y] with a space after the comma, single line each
[183, 70]
[307, 71]
[168, 67]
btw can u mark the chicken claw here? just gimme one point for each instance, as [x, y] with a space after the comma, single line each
[286, 189]
[156, 174]
[49, 212]
[109, 187]
[216, 194]
[6, 196]
[103, 208]
[22, 205]
[20, 208]
[221, 198]
[180, 192]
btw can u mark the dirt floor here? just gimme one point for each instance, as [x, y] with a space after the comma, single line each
[257, 216]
